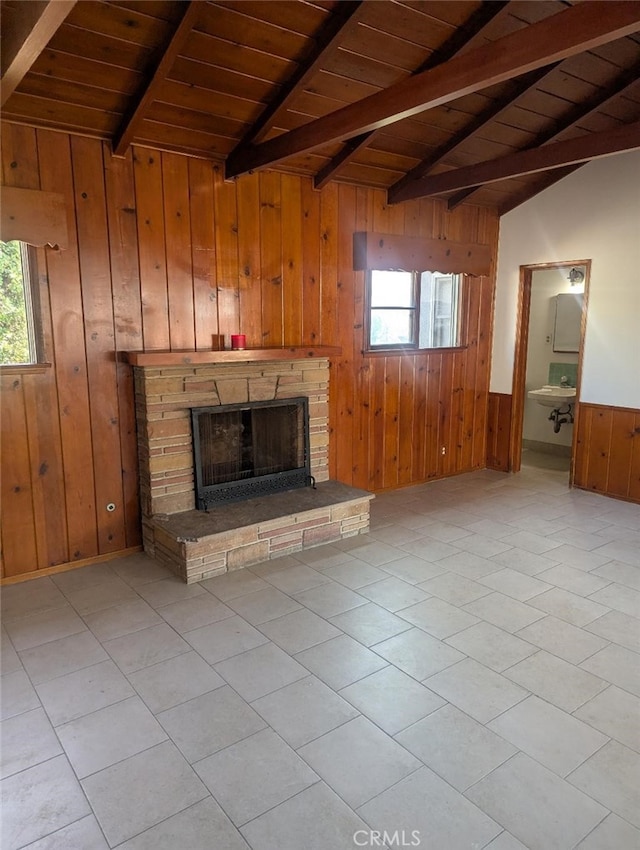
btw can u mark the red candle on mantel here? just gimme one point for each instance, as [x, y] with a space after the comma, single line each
[238, 342]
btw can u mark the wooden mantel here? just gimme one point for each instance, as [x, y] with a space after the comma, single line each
[158, 359]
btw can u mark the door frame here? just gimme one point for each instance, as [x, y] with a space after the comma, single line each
[523, 316]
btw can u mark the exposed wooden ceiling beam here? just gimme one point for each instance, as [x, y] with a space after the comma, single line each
[468, 35]
[165, 57]
[572, 119]
[523, 85]
[572, 31]
[584, 148]
[327, 41]
[26, 32]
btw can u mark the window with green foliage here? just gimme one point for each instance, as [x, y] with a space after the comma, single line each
[413, 310]
[19, 314]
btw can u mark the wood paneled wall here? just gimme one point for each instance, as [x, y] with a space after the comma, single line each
[608, 451]
[499, 432]
[162, 254]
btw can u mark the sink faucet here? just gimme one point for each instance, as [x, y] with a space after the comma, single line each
[564, 381]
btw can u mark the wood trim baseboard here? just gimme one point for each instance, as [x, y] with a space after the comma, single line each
[71, 565]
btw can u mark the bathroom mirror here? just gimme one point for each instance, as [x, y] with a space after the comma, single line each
[566, 331]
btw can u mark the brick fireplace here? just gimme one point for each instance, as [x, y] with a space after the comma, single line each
[197, 544]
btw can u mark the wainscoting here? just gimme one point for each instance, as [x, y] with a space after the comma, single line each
[608, 451]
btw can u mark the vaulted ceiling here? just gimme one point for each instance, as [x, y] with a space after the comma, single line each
[483, 101]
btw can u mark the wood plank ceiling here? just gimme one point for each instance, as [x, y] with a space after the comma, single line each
[383, 93]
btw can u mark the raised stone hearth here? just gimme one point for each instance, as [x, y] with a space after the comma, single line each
[198, 544]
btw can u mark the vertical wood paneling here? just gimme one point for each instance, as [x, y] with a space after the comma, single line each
[70, 355]
[607, 454]
[292, 264]
[228, 272]
[127, 314]
[151, 249]
[97, 301]
[311, 283]
[177, 229]
[249, 259]
[498, 431]
[169, 253]
[19, 553]
[203, 252]
[271, 258]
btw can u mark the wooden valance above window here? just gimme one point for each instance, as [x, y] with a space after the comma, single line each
[37, 218]
[386, 251]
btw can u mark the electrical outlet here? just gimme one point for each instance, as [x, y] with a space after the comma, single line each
[548, 339]
[443, 450]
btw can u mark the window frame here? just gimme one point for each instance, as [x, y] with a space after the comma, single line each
[33, 261]
[414, 346]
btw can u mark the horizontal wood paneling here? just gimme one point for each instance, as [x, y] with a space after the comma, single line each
[164, 253]
[498, 431]
[608, 451]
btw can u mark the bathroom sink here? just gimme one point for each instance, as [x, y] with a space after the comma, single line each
[552, 396]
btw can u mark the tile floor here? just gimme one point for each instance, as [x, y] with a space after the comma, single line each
[466, 673]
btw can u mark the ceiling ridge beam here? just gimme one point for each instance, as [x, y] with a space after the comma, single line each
[31, 27]
[584, 148]
[327, 40]
[465, 36]
[565, 34]
[525, 84]
[574, 116]
[148, 92]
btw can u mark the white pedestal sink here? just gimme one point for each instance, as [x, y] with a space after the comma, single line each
[552, 396]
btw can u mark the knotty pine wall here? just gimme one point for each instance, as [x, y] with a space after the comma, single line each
[163, 254]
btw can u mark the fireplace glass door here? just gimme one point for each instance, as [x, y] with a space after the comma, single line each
[246, 450]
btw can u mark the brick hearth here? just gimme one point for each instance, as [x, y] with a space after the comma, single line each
[197, 544]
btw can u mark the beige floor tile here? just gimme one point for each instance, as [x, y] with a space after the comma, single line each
[260, 671]
[439, 814]
[476, 690]
[417, 653]
[616, 665]
[438, 618]
[304, 710]
[552, 737]
[211, 722]
[504, 612]
[298, 630]
[562, 639]
[613, 832]
[316, 816]
[393, 594]
[456, 747]
[141, 791]
[615, 713]
[568, 606]
[370, 623]
[536, 806]
[491, 646]
[254, 775]
[619, 628]
[560, 683]
[357, 760]
[611, 777]
[391, 699]
[340, 661]
[203, 826]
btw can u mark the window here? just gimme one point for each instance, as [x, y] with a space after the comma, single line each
[20, 338]
[413, 310]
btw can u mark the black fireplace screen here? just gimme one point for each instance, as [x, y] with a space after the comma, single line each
[246, 450]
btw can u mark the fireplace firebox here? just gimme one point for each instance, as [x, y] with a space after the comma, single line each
[246, 450]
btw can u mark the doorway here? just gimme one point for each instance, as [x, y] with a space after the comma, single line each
[548, 353]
